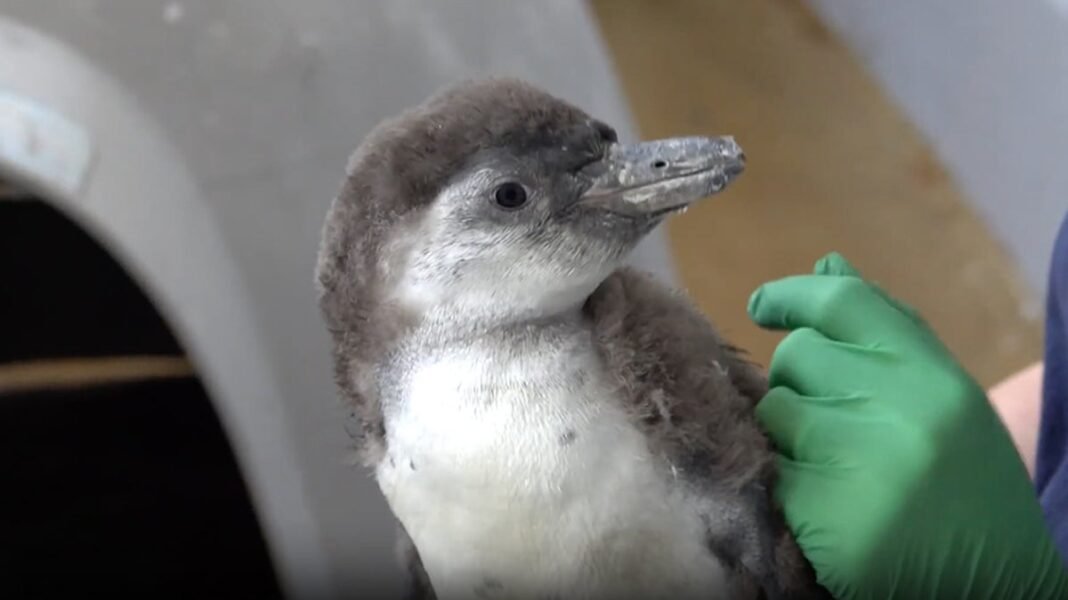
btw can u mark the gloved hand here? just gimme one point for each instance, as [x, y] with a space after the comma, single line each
[898, 479]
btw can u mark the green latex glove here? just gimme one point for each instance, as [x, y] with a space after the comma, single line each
[898, 478]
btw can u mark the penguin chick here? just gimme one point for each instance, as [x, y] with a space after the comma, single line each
[543, 421]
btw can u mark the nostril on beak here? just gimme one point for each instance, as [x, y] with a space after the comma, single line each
[735, 168]
[659, 164]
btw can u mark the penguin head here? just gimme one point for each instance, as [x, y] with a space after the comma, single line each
[496, 198]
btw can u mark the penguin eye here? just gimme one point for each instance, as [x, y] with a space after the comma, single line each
[510, 195]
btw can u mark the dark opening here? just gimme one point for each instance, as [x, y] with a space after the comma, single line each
[114, 486]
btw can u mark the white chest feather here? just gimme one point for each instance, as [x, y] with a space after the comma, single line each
[517, 476]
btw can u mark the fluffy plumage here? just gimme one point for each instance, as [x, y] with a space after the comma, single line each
[396, 171]
[677, 381]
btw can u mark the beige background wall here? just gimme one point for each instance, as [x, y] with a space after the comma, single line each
[833, 165]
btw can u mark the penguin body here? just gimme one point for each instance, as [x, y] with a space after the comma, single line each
[512, 465]
[544, 422]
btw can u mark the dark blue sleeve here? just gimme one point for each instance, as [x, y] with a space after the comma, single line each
[1051, 466]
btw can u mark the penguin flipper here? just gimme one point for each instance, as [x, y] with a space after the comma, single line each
[418, 587]
[693, 395]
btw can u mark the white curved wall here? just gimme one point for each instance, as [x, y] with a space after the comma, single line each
[128, 187]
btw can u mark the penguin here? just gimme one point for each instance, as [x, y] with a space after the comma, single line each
[544, 421]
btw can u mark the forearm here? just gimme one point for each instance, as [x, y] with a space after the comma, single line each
[1018, 401]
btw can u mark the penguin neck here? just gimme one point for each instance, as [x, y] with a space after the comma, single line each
[467, 309]
[447, 324]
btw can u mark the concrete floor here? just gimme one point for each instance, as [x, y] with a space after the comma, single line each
[833, 165]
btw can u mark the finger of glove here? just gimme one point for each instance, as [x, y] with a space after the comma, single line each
[836, 264]
[812, 364]
[827, 521]
[846, 309]
[804, 428]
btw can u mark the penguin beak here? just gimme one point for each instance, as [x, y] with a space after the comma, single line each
[652, 179]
